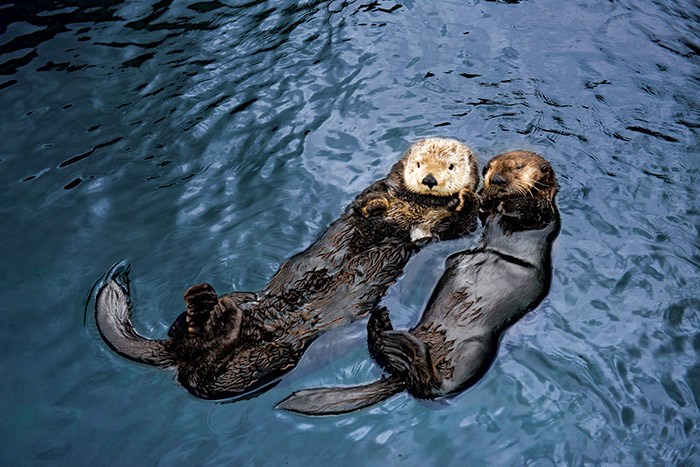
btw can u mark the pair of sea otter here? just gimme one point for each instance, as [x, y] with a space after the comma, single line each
[242, 342]
[482, 292]
[231, 345]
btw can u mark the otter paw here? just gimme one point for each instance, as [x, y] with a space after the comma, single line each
[379, 319]
[378, 323]
[453, 204]
[200, 292]
[512, 208]
[225, 319]
[465, 197]
[374, 207]
[200, 300]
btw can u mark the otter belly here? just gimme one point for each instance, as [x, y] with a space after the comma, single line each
[480, 294]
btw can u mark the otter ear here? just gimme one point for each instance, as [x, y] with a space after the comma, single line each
[545, 167]
[484, 170]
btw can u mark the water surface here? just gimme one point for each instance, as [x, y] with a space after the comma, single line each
[211, 140]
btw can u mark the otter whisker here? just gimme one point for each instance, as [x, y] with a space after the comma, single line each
[534, 190]
[522, 188]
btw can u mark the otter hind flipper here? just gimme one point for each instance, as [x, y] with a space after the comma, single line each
[200, 300]
[209, 316]
[340, 400]
[409, 357]
[378, 323]
[227, 315]
[113, 316]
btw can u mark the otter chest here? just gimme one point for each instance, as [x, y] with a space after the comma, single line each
[417, 218]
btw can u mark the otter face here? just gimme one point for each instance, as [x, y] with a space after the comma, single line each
[440, 167]
[519, 173]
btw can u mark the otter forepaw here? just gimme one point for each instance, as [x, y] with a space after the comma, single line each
[513, 208]
[374, 207]
[456, 203]
[464, 198]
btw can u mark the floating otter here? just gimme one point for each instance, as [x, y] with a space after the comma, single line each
[481, 293]
[239, 343]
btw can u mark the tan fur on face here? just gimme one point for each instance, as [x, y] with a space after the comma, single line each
[451, 164]
[523, 173]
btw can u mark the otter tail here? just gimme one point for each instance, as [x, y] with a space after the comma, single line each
[340, 400]
[113, 316]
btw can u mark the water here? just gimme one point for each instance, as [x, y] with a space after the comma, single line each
[211, 140]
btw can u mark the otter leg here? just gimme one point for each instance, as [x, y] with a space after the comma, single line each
[200, 300]
[410, 357]
[378, 323]
[225, 320]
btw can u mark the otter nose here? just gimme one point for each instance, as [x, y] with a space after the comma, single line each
[429, 181]
[498, 180]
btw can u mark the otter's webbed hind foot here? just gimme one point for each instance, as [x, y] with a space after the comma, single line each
[200, 300]
[208, 316]
[378, 323]
[409, 357]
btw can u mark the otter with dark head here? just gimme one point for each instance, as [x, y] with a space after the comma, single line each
[482, 292]
[242, 342]
[519, 180]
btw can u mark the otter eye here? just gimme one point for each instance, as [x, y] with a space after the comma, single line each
[418, 164]
[519, 166]
[452, 166]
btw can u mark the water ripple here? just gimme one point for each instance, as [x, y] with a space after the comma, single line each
[210, 140]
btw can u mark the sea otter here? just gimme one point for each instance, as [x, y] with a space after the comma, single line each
[482, 292]
[239, 343]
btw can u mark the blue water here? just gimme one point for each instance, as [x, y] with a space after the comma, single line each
[211, 140]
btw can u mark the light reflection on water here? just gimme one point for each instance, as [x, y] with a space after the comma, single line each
[212, 140]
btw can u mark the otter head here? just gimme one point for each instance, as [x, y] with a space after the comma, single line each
[518, 173]
[439, 167]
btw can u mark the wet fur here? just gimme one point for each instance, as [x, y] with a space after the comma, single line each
[482, 292]
[239, 343]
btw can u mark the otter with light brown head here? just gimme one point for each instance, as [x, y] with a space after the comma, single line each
[482, 292]
[242, 342]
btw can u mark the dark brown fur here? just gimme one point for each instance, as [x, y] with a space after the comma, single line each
[241, 342]
[481, 293]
